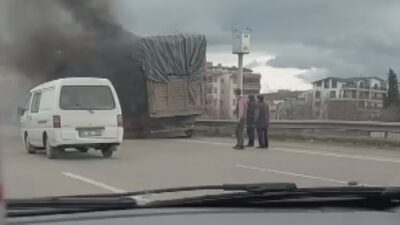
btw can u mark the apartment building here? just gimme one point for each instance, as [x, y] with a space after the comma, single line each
[357, 98]
[217, 83]
[221, 82]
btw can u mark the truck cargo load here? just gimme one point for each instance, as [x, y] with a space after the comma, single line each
[167, 85]
[174, 67]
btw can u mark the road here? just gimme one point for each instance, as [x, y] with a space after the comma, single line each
[156, 163]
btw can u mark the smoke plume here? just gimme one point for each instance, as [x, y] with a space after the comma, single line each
[46, 39]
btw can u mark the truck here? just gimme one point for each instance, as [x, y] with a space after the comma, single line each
[166, 88]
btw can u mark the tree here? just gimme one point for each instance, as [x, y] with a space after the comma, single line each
[392, 96]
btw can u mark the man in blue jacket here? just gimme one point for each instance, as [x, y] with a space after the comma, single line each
[261, 120]
[251, 108]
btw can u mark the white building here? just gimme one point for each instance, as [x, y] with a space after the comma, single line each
[220, 86]
[217, 100]
[366, 93]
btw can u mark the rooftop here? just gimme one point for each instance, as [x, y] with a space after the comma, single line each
[349, 79]
[219, 66]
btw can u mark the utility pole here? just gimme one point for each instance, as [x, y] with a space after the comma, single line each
[241, 46]
[240, 71]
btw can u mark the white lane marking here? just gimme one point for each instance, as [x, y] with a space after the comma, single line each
[339, 155]
[320, 153]
[104, 186]
[298, 175]
[205, 142]
[93, 182]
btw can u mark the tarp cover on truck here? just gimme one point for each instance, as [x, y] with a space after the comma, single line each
[174, 55]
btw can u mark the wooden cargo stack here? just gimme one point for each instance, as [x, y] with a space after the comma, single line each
[167, 93]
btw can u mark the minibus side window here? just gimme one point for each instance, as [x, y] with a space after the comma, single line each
[35, 102]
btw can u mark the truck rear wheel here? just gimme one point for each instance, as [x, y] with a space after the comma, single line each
[108, 151]
[82, 149]
[189, 133]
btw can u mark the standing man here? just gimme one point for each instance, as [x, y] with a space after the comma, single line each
[261, 119]
[251, 108]
[241, 114]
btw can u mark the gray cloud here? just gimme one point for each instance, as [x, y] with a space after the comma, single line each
[343, 38]
[340, 38]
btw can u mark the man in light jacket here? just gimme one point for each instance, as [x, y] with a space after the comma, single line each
[261, 120]
[241, 114]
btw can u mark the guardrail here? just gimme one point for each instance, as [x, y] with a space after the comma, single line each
[372, 126]
[314, 128]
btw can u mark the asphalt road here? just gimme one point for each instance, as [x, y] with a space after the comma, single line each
[156, 163]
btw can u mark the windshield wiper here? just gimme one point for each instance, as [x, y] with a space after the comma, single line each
[254, 188]
[118, 201]
[237, 195]
[80, 107]
[378, 198]
[251, 187]
[56, 205]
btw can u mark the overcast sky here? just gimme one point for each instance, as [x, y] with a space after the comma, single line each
[298, 38]
[293, 41]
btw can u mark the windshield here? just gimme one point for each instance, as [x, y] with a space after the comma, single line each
[192, 92]
[86, 97]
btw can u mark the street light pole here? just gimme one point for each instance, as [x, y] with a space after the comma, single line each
[240, 72]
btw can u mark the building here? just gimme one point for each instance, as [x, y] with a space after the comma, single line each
[217, 83]
[358, 98]
[221, 82]
[286, 104]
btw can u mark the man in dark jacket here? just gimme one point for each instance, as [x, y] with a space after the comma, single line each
[261, 119]
[251, 108]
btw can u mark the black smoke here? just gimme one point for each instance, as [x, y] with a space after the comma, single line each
[49, 39]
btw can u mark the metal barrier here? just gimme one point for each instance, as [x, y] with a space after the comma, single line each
[375, 129]
[372, 126]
